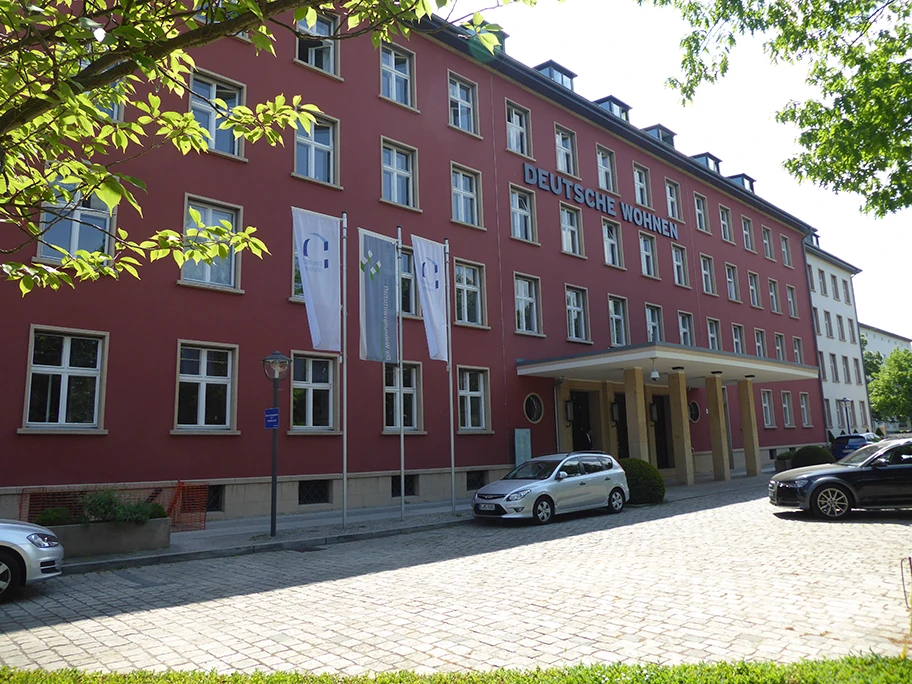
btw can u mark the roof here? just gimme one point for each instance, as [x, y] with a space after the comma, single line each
[835, 260]
[884, 332]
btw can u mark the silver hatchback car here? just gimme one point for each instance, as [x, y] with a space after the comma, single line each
[28, 554]
[558, 483]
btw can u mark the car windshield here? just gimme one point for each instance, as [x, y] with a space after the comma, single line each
[860, 455]
[533, 470]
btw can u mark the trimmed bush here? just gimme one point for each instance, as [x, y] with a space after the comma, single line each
[786, 455]
[58, 515]
[811, 455]
[645, 482]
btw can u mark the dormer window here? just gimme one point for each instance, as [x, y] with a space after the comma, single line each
[615, 107]
[708, 160]
[663, 134]
[744, 181]
[557, 73]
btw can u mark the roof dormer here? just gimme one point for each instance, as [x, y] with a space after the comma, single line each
[615, 106]
[710, 161]
[744, 181]
[557, 73]
[664, 134]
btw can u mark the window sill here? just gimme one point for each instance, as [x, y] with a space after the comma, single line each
[47, 261]
[735, 301]
[704, 231]
[778, 313]
[790, 427]
[413, 317]
[227, 155]
[301, 432]
[297, 300]
[711, 294]
[807, 425]
[645, 206]
[684, 286]
[467, 225]
[788, 266]
[520, 154]
[769, 427]
[331, 186]
[314, 69]
[471, 134]
[404, 106]
[526, 333]
[404, 432]
[475, 326]
[574, 254]
[95, 432]
[757, 306]
[211, 288]
[748, 249]
[525, 242]
[731, 242]
[620, 268]
[465, 431]
[208, 433]
[401, 206]
[576, 341]
[769, 258]
[651, 277]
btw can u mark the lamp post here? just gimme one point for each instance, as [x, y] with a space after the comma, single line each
[275, 366]
[845, 404]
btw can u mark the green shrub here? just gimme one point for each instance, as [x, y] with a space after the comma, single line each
[58, 515]
[786, 455]
[645, 482]
[101, 506]
[811, 455]
[139, 512]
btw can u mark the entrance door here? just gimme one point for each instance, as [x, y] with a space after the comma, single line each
[581, 423]
[664, 452]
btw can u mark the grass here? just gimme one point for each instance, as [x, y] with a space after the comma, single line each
[871, 669]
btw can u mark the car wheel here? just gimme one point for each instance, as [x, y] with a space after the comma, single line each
[616, 501]
[831, 502]
[10, 574]
[543, 510]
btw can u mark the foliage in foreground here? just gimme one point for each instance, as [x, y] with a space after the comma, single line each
[644, 480]
[853, 670]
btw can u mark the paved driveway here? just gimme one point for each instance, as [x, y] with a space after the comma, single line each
[722, 577]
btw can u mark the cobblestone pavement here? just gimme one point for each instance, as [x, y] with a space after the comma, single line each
[723, 577]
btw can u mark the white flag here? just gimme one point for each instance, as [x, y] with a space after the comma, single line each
[316, 238]
[432, 278]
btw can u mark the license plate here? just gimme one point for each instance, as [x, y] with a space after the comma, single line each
[485, 507]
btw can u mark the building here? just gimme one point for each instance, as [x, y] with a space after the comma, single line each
[604, 281]
[881, 342]
[845, 391]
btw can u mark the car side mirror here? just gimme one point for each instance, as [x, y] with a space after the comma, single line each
[562, 475]
[880, 463]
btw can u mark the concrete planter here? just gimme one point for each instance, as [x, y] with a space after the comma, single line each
[783, 464]
[105, 538]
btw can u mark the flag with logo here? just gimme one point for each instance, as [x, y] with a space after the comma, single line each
[316, 238]
[378, 273]
[432, 278]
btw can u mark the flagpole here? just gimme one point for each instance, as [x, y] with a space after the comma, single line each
[449, 329]
[401, 412]
[344, 369]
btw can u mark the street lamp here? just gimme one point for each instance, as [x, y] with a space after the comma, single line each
[845, 404]
[275, 366]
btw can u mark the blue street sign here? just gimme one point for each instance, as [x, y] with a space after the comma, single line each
[271, 419]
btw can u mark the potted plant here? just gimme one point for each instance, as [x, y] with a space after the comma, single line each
[784, 460]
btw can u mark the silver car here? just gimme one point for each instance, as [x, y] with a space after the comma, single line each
[559, 483]
[28, 554]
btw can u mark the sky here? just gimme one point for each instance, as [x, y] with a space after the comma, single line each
[618, 48]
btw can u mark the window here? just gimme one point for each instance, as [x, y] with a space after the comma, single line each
[407, 287]
[811, 279]
[611, 236]
[700, 213]
[571, 233]
[774, 296]
[396, 75]
[840, 414]
[797, 350]
[760, 343]
[606, 169]
[641, 185]
[410, 383]
[846, 375]
[65, 380]
[312, 492]
[518, 129]
[853, 417]
[779, 339]
[473, 399]
[317, 51]
[815, 315]
[828, 417]
[673, 199]
[862, 413]
[738, 338]
[845, 291]
[312, 393]
[786, 247]
[714, 336]
[731, 282]
[465, 196]
[462, 104]
[528, 312]
[648, 256]
[221, 272]
[315, 152]
[766, 400]
[654, 323]
[204, 91]
[577, 325]
[679, 262]
[399, 175]
[725, 221]
[753, 286]
[767, 242]
[204, 394]
[857, 371]
[522, 215]
[686, 329]
[821, 278]
[617, 321]
[708, 272]
[81, 224]
[840, 327]
[834, 368]
[821, 364]
[835, 282]
[469, 293]
[828, 323]
[791, 296]
[747, 227]
[566, 150]
[805, 401]
[851, 331]
[787, 409]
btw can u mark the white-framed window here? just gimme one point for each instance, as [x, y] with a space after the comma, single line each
[731, 282]
[701, 214]
[792, 296]
[81, 224]
[617, 321]
[577, 323]
[518, 129]
[407, 289]
[465, 196]
[846, 291]
[522, 215]
[206, 97]
[725, 223]
[835, 283]
[753, 286]
[571, 230]
[862, 413]
[810, 275]
[641, 185]
[779, 342]
[786, 247]
[463, 95]
[648, 256]
[834, 368]
[399, 166]
[846, 374]
[396, 74]
[774, 296]
[470, 304]
[409, 412]
[804, 400]
[707, 270]
[766, 401]
[205, 381]
[767, 242]
[473, 399]
[565, 141]
[737, 338]
[714, 334]
[312, 392]
[611, 237]
[816, 316]
[840, 327]
[787, 417]
[747, 227]
[857, 367]
[851, 325]
[686, 329]
[828, 323]
[527, 293]
[798, 350]
[679, 265]
[65, 380]
[760, 343]
[315, 155]
[821, 278]
[222, 272]
[654, 323]
[607, 171]
[318, 51]
[673, 199]
[821, 364]
[827, 414]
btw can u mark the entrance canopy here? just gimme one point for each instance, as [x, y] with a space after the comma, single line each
[695, 363]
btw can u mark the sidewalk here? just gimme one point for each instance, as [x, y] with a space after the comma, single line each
[298, 531]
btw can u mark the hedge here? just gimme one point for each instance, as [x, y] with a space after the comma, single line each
[645, 482]
[811, 455]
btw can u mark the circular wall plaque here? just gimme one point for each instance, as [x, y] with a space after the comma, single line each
[694, 409]
[534, 408]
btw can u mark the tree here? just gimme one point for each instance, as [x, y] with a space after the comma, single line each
[891, 390]
[856, 134]
[68, 67]
[873, 361]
